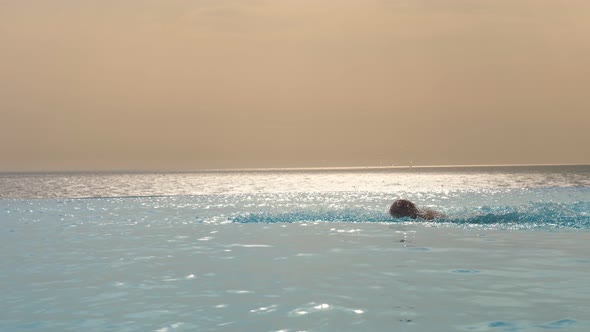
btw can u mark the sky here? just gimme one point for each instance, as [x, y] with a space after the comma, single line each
[181, 85]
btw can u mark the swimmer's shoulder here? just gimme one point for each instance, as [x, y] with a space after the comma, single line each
[430, 214]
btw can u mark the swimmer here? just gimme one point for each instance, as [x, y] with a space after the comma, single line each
[404, 208]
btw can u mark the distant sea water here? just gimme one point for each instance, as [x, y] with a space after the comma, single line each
[296, 250]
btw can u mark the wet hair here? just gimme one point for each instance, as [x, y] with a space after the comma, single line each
[403, 208]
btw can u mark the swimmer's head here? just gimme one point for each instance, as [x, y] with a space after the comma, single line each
[403, 208]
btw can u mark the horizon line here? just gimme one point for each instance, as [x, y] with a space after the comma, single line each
[288, 169]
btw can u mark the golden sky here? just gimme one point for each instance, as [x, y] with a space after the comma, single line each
[188, 84]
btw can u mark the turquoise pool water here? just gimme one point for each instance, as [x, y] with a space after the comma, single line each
[296, 251]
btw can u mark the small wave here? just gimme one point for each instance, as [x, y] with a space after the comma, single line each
[534, 215]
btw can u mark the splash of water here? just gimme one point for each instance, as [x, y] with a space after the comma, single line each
[534, 215]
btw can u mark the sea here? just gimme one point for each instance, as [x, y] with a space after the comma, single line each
[296, 250]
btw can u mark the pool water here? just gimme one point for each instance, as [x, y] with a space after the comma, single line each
[296, 251]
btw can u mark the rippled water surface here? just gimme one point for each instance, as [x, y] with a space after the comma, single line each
[296, 251]
[432, 180]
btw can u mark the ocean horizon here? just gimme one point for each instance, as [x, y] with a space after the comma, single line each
[286, 169]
